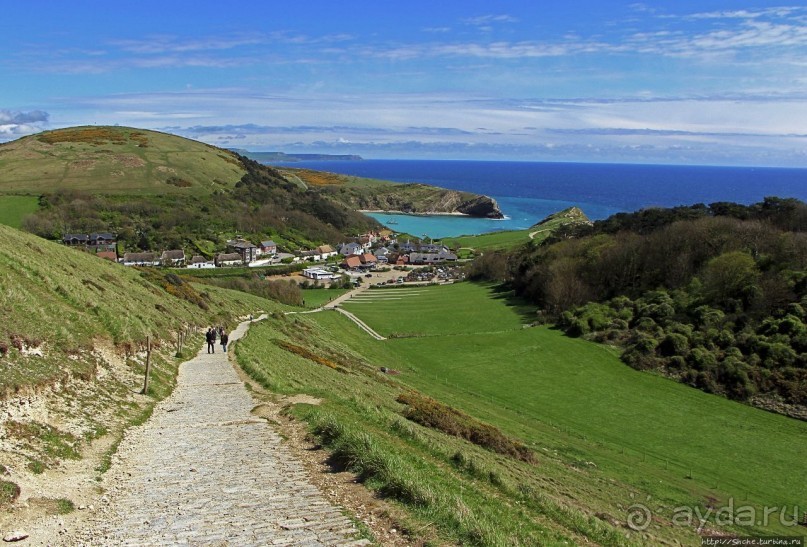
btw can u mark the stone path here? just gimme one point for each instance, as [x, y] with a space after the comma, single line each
[203, 470]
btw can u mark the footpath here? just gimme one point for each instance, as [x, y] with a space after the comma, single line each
[203, 470]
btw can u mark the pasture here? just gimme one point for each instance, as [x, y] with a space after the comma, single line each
[466, 345]
[14, 208]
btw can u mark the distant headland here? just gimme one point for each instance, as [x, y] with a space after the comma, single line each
[268, 157]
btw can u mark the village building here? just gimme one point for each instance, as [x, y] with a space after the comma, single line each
[267, 248]
[368, 260]
[140, 259]
[352, 248]
[75, 239]
[173, 259]
[229, 259]
[319, 274]
[199, 262]
[101, 239]
[352, 262]
[326, 251]
[245, 249]
[432, 258]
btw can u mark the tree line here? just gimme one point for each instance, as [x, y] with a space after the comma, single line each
[714, 296]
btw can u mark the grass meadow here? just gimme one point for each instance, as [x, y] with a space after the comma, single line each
[14, 208]
[485, 354]
[314, 298]
[487, 242]
[606, 436]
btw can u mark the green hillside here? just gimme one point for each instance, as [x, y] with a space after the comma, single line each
[609, 441]
[73, 332]
[507, 239]
[115, 160]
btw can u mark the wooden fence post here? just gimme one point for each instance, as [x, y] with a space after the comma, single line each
[148, 365]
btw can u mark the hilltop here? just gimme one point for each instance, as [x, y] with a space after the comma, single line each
[115, 160]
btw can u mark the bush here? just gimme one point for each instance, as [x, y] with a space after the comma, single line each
[430, 413]
[674, 344]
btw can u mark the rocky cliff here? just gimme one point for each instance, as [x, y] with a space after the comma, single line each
[414, 199]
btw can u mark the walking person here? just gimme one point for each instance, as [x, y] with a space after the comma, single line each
[211, 340]
[224, 339]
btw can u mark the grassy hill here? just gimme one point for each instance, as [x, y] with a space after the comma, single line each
[507, 239]
[115, 160]
[607, 438]
[73, 332]
[158, 191]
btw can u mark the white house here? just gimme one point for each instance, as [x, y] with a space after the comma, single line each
[140, 259]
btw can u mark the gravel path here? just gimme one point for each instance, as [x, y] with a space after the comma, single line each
[204, 470]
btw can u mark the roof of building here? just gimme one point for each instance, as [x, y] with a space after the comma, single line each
[352, 261]
[322, 249]
[80, 237]
[109, 255]
[269, 243]
[177, 254]
[102, 235]
[198, 259]
[227, 257]
[242, 245]
[139, 257]
[368, 257]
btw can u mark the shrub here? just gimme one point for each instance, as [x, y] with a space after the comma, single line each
[430, 413]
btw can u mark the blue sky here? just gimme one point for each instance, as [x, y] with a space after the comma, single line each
[706, 82]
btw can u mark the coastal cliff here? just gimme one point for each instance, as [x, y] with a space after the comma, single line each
[411, 198]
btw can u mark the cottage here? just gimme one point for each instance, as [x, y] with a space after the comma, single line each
[267, 248]
[75, 239]
[102, 238]
[108, 255]
[352, 262]
[199, 262]
[174, 259]
[347, 249]
[140, 259]
[229, 259]
[311, 256]
[368, 260]
[326, 251]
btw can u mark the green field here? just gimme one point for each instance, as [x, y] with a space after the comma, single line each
[491, 241]
[14, 208]
[314, 298]
[437, 311]
[577, 396]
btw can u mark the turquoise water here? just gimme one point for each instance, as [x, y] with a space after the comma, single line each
[520, 213]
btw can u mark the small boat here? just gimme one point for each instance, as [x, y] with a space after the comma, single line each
[392, 221]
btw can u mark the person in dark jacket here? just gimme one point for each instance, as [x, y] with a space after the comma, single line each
[211, 340]
[224, 339]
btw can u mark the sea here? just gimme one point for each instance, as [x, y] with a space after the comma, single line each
[528, 192]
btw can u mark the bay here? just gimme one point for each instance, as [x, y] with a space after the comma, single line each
[529, 191]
